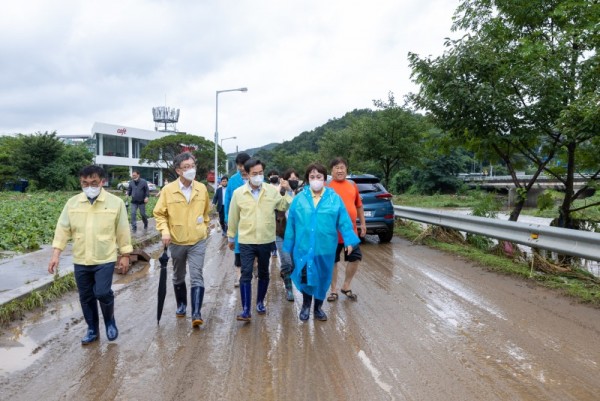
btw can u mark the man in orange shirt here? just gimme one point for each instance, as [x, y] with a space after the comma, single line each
[348, 191]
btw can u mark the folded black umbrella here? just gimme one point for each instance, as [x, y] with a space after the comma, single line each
[162, 284]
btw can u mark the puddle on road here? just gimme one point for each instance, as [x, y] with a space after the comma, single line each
[18, 352]
[134, 275]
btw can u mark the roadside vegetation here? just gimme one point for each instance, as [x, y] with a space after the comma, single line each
[466, 199]
[548, 203]
[576, 283]
[28, 219]
[36, 299]
[568, 278]
[29, 224]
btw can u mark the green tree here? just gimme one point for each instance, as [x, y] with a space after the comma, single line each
[8, 170]
[306, 148]
[516, 82]
[342, 143]
[390, 137]
[34, 155]
[439, 172]
[69, 163]
[161, 152]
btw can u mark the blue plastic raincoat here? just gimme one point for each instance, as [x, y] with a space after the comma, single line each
[311, 236]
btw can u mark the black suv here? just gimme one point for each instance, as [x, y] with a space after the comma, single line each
[377, 203]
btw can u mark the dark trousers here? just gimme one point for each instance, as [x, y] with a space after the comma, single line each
[248, 252]
[222, 218]
[94, 282]
[134, 209]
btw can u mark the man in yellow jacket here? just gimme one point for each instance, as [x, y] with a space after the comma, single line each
[182, 218]
[97, 223]
[252, 218]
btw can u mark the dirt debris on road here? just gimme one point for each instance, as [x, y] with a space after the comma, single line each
[427, 326]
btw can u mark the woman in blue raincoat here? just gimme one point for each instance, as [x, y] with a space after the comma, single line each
[315, 217]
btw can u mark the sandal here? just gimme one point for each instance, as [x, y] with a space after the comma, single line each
[332, 297]
[350, 294]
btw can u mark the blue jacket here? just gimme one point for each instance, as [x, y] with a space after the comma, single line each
[311, 236]
[235, 181]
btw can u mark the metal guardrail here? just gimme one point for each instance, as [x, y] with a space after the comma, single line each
[583, 244]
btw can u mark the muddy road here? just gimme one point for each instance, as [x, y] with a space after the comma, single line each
[427, 326]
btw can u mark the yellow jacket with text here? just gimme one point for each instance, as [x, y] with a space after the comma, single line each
[186, 223]
[96, 230]
[253, 220]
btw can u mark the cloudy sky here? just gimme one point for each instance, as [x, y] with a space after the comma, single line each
[67, 64]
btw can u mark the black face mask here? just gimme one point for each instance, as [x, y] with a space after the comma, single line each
[293, 184]
[274, 179]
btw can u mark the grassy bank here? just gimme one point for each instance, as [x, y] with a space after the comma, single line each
[585, 291]
[468, 200]
[16, 309]
[473, 198]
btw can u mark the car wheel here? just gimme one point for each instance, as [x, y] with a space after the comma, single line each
[386, 236]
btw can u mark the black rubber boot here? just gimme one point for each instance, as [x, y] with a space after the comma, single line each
[246, 299]
[289, 292]
[306, 302]
[261, 292]
[90, 314]
[181, 299]
[108, 311]
[318, 313]
[197, 295]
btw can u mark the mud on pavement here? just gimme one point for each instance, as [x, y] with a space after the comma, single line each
[427, 326]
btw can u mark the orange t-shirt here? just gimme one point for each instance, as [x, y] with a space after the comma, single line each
[348, 191]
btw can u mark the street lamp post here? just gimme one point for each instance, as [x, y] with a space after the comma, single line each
[224, 139]
[217, 128]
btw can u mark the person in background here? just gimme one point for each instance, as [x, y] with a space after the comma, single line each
[165, 183]
[219, 201]
[236, 181]
[252, 221]
[273, 178]
[348, 191]
[96, 221]
[315, 217]
[286, 265]
[138, 191]
[182, 218]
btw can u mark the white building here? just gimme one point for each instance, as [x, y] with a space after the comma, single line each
[117, 145]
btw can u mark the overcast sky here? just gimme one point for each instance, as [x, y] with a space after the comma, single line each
[67, 64]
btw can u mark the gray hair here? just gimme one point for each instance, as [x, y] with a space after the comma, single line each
[180, 158]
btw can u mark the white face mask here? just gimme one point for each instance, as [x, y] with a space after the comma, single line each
[91, 192]
[256, 180]
[190, 174]
[317, 185]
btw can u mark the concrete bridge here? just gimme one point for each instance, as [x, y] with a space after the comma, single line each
[505, 184]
